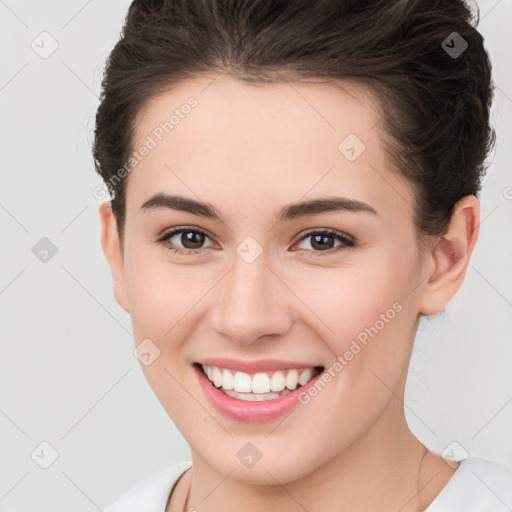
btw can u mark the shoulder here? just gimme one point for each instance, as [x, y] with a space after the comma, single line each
[150, 495]
[478, 485]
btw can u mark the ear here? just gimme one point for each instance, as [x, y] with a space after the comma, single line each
[113, 252]
[449, 257]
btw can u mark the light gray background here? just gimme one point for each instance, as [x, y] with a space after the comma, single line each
[68, 376]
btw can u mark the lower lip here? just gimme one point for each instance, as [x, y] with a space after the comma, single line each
[242, 410]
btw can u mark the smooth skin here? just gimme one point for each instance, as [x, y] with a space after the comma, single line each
[248, 150]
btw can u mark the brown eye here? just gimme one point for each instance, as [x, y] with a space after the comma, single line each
[323, 242]
[191, 240]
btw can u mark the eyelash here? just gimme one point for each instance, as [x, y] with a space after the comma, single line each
[346, 241]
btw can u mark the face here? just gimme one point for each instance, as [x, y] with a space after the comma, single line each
[248, 278]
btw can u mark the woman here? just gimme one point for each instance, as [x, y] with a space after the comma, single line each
[294, 187]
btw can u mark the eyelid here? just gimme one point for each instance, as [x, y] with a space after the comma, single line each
[167, 233]
[328, 231]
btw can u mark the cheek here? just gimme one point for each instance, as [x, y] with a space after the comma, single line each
[355, 295]
[161, 298]
[159, 293]
[363, 313]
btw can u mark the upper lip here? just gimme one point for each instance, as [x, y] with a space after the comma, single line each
[262, 365]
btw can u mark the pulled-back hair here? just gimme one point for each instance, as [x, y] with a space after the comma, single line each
[433, 93]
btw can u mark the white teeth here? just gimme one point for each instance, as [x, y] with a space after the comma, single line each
[305, 376]
[261, 383]
[277, 382]
[217, 377]
[292, 379]
[227, 379]
[242, 383]
[259, 386]
[252, 397]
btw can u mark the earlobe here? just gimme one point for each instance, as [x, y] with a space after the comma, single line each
[450, 256]
[111, 246]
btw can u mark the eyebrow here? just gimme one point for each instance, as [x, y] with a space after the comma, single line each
[289, 212]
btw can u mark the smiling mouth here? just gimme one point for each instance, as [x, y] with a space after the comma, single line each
[258, 386]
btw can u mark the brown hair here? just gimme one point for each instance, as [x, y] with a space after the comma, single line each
[434, 93]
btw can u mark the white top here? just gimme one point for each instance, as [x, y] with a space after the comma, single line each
[478, 485]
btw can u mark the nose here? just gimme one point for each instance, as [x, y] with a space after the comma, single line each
[252, 303]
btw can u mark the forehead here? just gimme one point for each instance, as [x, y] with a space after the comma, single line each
[220, 137]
